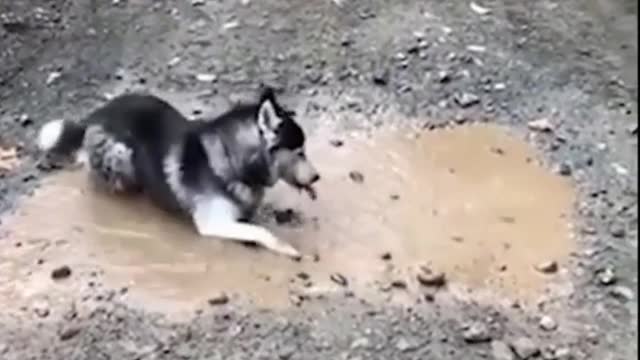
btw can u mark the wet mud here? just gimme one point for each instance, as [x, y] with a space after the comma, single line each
[471, 202]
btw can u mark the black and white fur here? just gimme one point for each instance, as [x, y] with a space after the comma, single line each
[214, 171]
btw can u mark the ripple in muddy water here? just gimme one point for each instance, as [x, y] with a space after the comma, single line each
[470, 201]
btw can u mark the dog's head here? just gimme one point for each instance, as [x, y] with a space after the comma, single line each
[285, 141]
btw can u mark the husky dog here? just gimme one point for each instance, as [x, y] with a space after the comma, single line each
[215, 172]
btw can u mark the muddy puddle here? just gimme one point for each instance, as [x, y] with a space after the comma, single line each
[471, 202]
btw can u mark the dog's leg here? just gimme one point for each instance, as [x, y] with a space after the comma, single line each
[219, 217]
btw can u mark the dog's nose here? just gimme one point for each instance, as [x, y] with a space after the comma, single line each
[315, 178]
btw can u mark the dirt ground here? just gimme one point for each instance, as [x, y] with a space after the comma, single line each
[493, 141]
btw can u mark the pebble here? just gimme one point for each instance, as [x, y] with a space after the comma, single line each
[381, 77]
[547, 323]
[617, 230]
[562, 354]
[336, 143]
[466, 99]
[69, 333]
[61, 272]
[339, 279]
[41, 309]
[477, 332]
[622, 293]
[444, 76]
[524, 348]
[52, 77]
[606, 276]
[386, 256]
[501, 351]
[360, 343]
[356, 177]
[206, 77]
[564, 169]
[428, 277]
[543, 125]
[219, 299]
[404, 345]
[547, 267]
[197, 2]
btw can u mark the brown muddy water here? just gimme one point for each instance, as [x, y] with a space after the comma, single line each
[470, 201]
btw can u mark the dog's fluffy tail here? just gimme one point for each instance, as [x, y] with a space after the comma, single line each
[59, 137]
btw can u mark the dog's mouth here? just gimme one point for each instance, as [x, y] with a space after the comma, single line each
[309, 190]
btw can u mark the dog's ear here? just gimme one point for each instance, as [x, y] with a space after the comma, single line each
[268, 119]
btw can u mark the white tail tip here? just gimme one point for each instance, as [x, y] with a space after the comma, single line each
[50, 134]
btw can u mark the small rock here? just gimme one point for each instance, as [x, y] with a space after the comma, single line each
[360, 343]
[303, 276]
[69, 333]
[617, 230]
[444, 76]
[562, 354]
[386, 256]
[524, 348]
[394, 197]
[25, 120]
[543, 125]
[501, 351]
[547, 323]
[356, 177]
[61, 272]
[476, 333]
[220, 299]
[622, 293]
[41, 309]
[466, 99]
[499, 86]
[606, 276]
[480, 10]
[339, 279]
[197, 2]
[564, 169]
[398, 284]
[404, 345]
[53, 76]
[206, 77]
[174, 61]
[336, 143]
[547, 267]
[381, 77]
[428, 277]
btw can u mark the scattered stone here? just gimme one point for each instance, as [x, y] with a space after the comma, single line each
[52, 77]
[477, 332]
[339, 279]
[499, 86]
[480, 10]
[633, 130]
[444, 76]
[622, 293]
[466, 99]
[547, 323]
[547, 267]
[617, 230]
[381, 77]
[477, 48]
[356, 177]
[61, 272]
[336, 143]
[394, 197]
[219, 299]
[197, 2]
[606, 276]
[404, 345]
[174, 61]
[386, 256]
[360, 343]
[303, 275]
[69, 333]
[398, 284]
[41, 309]
[209, 78]
[564, 169]
[428, 277]
[542, 125]
[524, 348]
[501, 351]
[563, 353]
